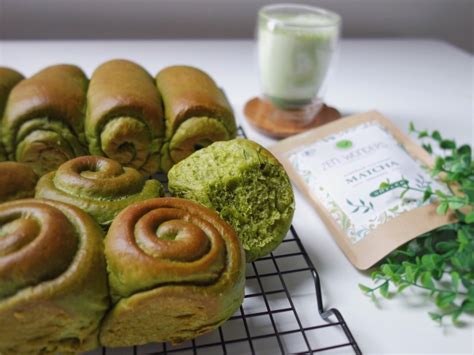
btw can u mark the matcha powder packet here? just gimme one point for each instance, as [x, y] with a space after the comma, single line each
[353, 172]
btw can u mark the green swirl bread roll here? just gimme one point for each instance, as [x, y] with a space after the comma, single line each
[176, 271]
[53, 282]
[99, 186]
[197, 113]
[124, 116]
[17, 180]
[43, 123]
[246, 185]
[8, 79]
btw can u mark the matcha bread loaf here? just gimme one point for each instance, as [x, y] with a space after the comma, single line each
[17, 180]
[246, 185]
[43, 123]
[176, 271]
[99, 186]
[197, 113]
[8, 79]
[53, 282]
[124, 116]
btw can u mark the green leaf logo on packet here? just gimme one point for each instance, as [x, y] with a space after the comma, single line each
[344, 144]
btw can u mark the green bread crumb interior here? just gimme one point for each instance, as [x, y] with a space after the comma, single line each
[246, 185]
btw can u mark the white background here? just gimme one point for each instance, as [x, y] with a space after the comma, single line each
[450, 20]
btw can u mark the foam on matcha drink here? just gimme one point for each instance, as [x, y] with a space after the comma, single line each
[295, 44]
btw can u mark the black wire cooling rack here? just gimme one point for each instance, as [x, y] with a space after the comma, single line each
[278, 315]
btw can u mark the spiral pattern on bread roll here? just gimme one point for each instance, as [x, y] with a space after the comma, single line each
[100, 186]
[197, 113]
[43, 122]
[176, 270]
[124, 118]
[53, 287]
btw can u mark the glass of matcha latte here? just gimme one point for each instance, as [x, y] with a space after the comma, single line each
[296, 45]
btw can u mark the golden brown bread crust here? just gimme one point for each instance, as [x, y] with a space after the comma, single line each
[123, 88]
[99, 186]
[53, 284]
[124, 116]
[57, 92]
[189, 92]
[176, 270]
[8, 79]
[43, 123]
[17, 181]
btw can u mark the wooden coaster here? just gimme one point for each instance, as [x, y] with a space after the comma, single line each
[275, 122]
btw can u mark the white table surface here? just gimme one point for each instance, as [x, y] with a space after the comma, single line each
[427, 82]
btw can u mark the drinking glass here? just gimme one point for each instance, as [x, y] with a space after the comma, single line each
[296, 46]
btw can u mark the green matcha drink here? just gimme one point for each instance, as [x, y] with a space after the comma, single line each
[295, 47]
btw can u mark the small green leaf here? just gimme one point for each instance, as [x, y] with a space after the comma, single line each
[465, 150]
[468, 189]
[470, 292]
[402, 287]
[410, 274]
[436, 316]
[430, 261]
[427, 194]
[373, 298]
[447, 144]
[376, 274]
[364, 288]
[428, 148]
[444, 299]
[454, 205]
[469, 217]
[457, 167]
[422, 134]
[436, 136]
[387, 270]
[468, 306]
[427, 280]
[456, 314]
[446, 246]
[411, 127]
[442, 208]
[384, 290]
[466, 160]
[462, 237]
[438, 167]
[456, 262]
[455, 278]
